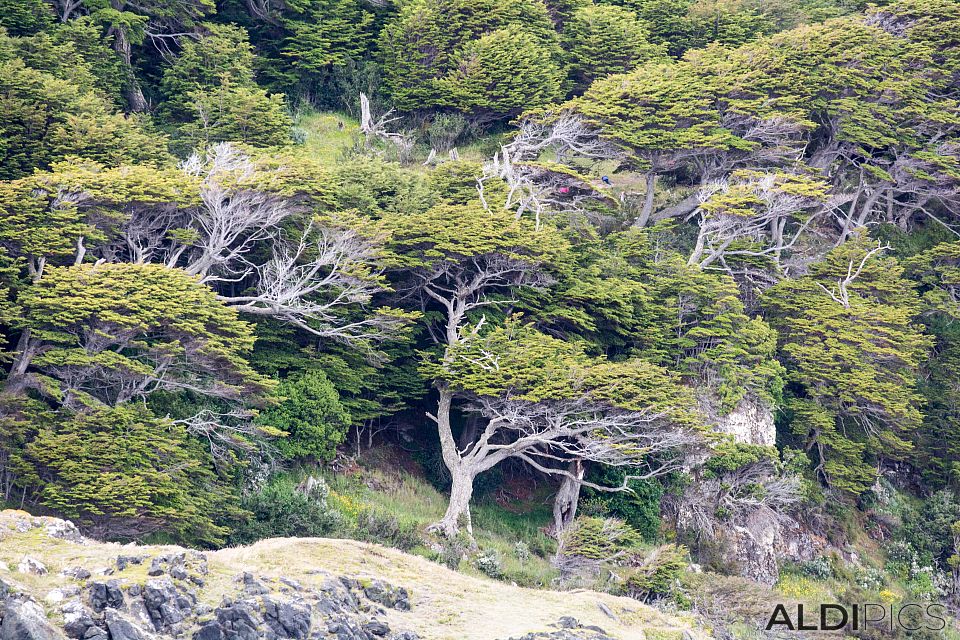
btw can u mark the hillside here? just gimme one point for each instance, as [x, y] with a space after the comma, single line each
[443, 604]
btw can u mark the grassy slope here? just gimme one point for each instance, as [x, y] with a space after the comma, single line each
[447, 605]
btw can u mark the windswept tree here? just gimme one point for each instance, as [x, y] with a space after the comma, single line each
[467, 263]
[852, 349]
[545, 403]
[111, 333]
[602, 40]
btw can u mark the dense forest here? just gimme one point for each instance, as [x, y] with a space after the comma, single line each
[620, 293]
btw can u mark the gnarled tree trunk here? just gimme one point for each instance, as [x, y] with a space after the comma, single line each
[568, 497]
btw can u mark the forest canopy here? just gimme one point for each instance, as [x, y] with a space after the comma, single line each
[536, 243]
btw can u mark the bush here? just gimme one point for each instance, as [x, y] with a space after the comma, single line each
[522, 551]
[373, 525]
[488, 561]
[445, 130]
[311, 414]
[454, 550]
[658, 575]
[818, 568]
[604, 539]
[281, 509]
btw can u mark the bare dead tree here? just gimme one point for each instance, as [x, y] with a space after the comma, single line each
[377, 129]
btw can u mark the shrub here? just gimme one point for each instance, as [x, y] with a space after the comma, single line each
[604, 539]
[818, 568]
[522, 551]
[281, 509]
[453, 550]
[373, 525]
[311, 414]
[658, 575]
[445, 130]
[488, 561]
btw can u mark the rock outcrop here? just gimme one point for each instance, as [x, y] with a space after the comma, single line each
[750, 422]
[57, 585]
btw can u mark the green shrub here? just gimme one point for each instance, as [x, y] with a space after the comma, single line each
[280, 509]
[311, 414]
[384, 528]
[818, 568]
[488, 561]
[658, 575]
[602, 539]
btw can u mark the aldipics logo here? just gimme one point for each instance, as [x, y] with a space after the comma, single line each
[857, 617]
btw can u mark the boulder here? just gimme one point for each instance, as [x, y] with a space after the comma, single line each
[32, 566]
[24, 619]
[106, 594]
[122, 629]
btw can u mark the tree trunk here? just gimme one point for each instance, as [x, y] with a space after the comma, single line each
[121, 45]
[568, 497]
[25, 350]
[647, 211]
[458, 510]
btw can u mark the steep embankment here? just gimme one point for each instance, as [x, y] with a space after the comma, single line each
[282, 588]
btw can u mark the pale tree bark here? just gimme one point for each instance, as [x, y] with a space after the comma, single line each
[567, 500]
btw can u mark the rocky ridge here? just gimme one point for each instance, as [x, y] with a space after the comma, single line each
[148, 593]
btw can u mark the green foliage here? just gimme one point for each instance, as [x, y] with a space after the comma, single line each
[451, 52]
[639, 507]
[46, 118]
[602, 40]
[848, 338]
[658, 575]
[310, 413]
[25, 17]
[605, 539]
[326, 34]
[237, 113]
[501, 74]
[111, 333]
[123, 473]
[222, 54]
[281, 509]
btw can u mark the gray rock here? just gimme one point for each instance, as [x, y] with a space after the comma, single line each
[122, 629]
[125, 561]
[106, 594]
[210, 631]
[252, 586]
[25, 620]
[376, 627]
[388, 595]
[166, 605]
[32, 566]
[77, 573]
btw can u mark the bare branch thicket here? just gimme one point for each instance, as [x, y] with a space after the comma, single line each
[766, 229]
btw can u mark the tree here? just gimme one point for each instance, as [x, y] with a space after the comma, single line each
[108, 334]
[311, 415]
[852, 351]
[602, 40]
[123, 473]
[501, 74]
[25, 17]
[424, 43]
[129, 24]
[220, 54]
[542, 401]
[231, 113]
[46, 119]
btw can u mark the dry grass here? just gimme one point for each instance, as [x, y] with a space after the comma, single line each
[446, 605]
